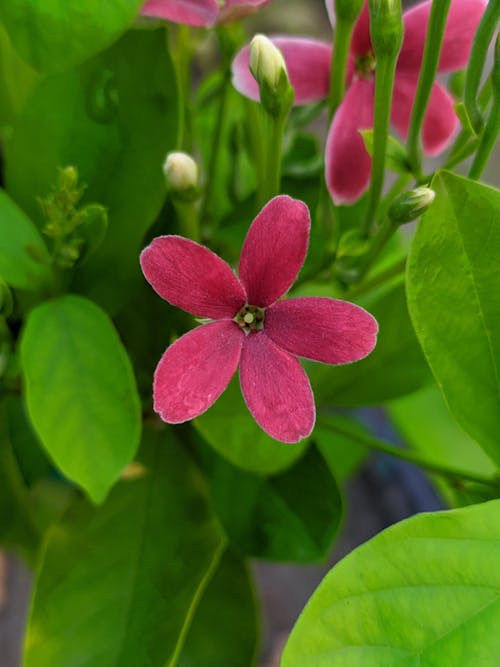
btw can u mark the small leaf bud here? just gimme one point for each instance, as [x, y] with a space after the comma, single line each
[268, 67]
[410, 205]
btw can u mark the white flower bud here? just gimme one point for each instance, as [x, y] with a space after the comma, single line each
[410, 205]
[266, 62]
[181, 171]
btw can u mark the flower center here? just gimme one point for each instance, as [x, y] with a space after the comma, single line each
[250, 318]
[365, 65]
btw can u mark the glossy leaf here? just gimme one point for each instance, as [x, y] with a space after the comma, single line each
[80, 392]
[54, 36]
[423, 592]
[396, 366]
[114, 118]
[118, 584]
[225, 630]
[230, 429]
[292, 516]
[454, 301]
[24, 260]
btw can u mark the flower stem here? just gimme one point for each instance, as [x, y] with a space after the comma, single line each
[187, 218]
[411, 456]
[340, 54]
[397, 269]
[482, 40]
[430, 62]
[271, 176]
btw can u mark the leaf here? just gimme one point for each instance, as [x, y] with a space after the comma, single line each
[293, 516]
[24, 260]
[454, 301]
[229, 428]
[115, 119]
[342, 454]
[118, 584]
[427, 426]
[80, 392]
[396, 366]
[396, 158]
[54, 36]
[225, 629]
[423, 592]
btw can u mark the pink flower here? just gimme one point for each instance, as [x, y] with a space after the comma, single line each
[347, 163]
[200, 12]
[252, 329]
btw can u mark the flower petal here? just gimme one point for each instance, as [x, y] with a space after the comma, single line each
[236, 9]
[308, 65]
[440, 122]
[274, 249]
[276, 389]
[322, 329]
[463, 19]
[189, 12]
[195, 370]
[361, 43]
[192, 277]
[347, 163]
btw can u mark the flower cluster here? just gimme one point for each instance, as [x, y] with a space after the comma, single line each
[308, 61]
[251, 328]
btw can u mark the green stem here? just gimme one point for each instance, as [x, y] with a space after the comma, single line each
[384, 84]
[271, 177]
[430, 62]
[187, 219]
[411, 456]
[396, 189]
[340, 54]
[483, 37]
[380, 279]
[383, 234]
[487, 141]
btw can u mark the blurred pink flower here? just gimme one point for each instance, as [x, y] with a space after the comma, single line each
[200, 12]
[252, 329]
[347, 163]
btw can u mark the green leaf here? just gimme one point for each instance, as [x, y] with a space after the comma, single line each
[225, 629]
[423, 592]
[118, 584]
[230, 429]
[293, 516]
[396, 366]
[396, 158]
[454, 301]
[80, 392]
[342, 454]
[54, 36]
[463, 116]
[24, 260]
[427, 426]
[115, 119]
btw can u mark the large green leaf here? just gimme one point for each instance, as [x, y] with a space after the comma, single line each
[292, 516]
[53, 36]
[454, 300]
[114, 118]
[81, 392]
[396, 366]
[118, 585]
[24, 260]
[225, 629]
[230, 429]
[422, 593]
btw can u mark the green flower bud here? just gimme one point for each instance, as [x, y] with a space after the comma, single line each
[181, 174]
[410, 205]
[269, 70]
[386, 27]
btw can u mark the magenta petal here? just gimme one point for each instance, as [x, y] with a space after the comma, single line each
[361, 43]
[347, 163]
[440, 122]
[189, 12]
[274, 249]
[461, 25]
[322, 329]
[236, 9]
[308, 65]
[276, 389]
[195, 370]
[192, 277]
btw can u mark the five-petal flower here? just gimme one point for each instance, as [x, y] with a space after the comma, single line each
[347, 163]
[252, 328]
[200, 12]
